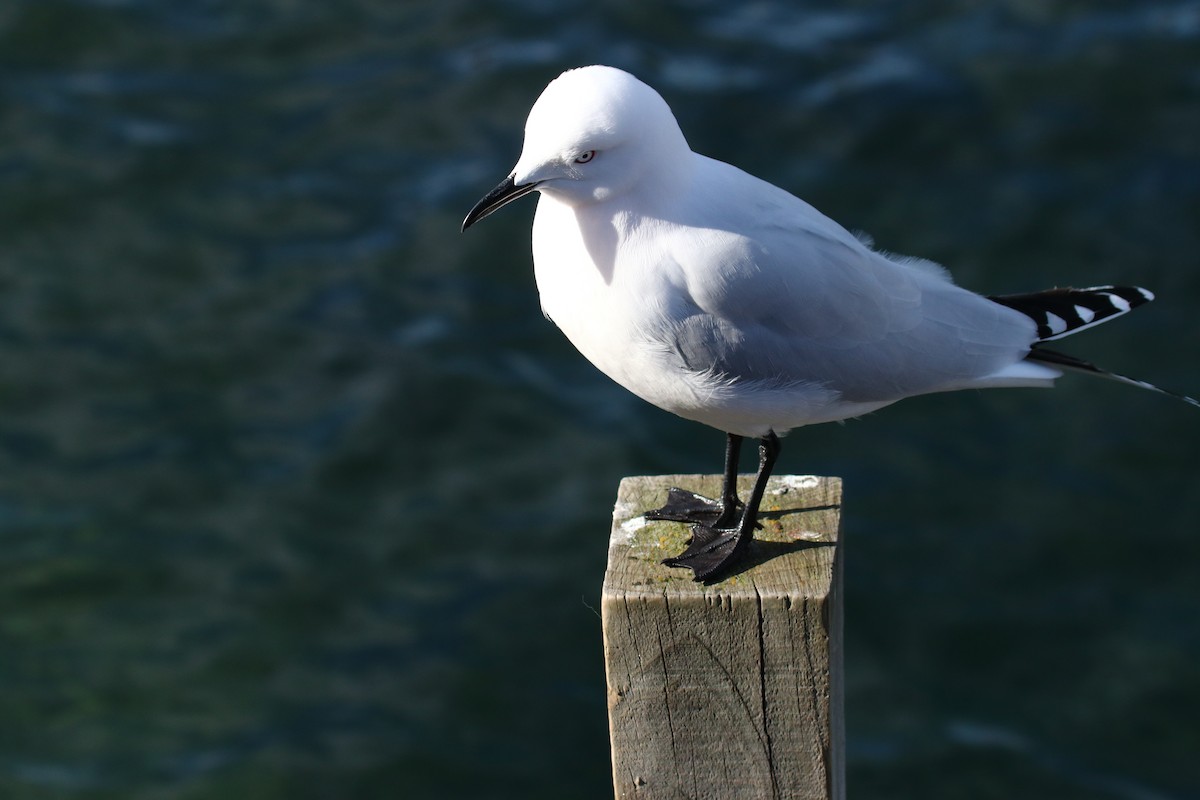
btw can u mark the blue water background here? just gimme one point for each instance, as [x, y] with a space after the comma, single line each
[301, 497]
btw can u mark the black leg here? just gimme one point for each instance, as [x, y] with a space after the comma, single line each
[685, 506]
[729, 498]
[714, 549]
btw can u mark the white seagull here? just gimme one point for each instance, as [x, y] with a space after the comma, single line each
[726, 300]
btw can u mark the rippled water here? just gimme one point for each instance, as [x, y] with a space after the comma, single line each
[301, 497]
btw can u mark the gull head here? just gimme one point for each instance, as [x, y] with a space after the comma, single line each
[593, 135]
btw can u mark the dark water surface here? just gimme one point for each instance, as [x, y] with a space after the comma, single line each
[300, 497]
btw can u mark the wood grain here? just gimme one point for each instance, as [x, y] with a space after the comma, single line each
[734, 689]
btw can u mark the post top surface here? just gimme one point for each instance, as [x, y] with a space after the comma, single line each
[792, 554]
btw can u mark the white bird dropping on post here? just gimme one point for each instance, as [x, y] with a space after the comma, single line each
[723, 299]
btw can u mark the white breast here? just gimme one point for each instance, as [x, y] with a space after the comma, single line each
[603, 307]
[615, 311]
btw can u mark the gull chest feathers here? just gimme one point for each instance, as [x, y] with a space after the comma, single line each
[590, 289]
[621, 285]
[726, 300]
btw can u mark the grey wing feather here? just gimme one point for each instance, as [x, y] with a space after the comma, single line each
[844, 317]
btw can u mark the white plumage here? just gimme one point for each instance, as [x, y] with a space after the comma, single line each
[726, 300]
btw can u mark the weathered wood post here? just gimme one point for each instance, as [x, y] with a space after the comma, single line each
[732, 690]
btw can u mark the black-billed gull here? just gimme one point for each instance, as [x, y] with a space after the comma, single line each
[726, 300]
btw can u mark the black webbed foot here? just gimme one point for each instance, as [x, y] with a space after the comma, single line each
[685, 506]
[712, 550]
[718, 545]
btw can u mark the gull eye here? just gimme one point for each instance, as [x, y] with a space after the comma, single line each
[583, 158]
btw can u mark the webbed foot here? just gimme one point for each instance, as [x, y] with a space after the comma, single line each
[718, 545]
[712, 550]
[685, 506]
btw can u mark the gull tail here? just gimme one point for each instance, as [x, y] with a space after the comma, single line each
[1062, 312]
[1062, 361]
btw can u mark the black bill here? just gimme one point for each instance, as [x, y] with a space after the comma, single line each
[501, 196]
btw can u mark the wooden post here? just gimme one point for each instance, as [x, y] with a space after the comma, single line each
[732, 690]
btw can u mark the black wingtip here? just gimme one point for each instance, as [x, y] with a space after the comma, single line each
[1062, 312]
